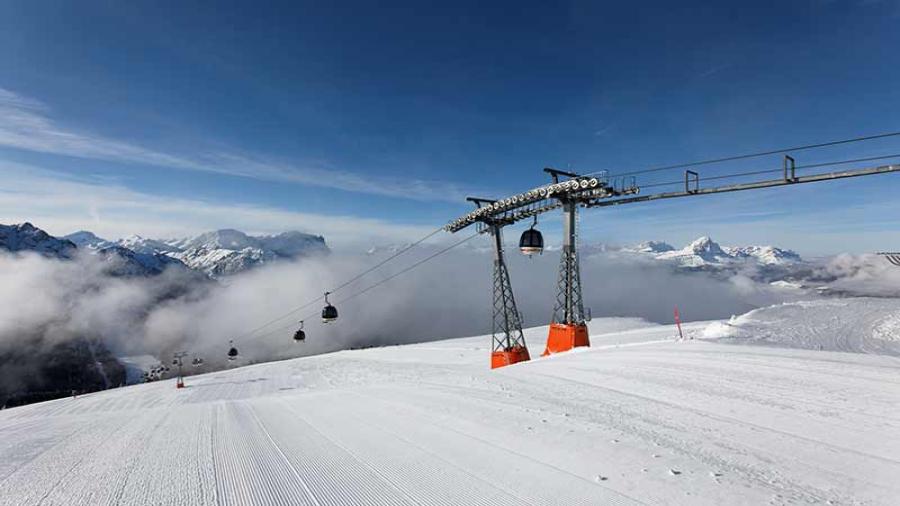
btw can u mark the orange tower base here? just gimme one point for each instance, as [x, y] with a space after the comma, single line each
[179, 383]
[509, 357]
[564, 337]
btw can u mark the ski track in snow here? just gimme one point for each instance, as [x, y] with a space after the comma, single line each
[637, 419]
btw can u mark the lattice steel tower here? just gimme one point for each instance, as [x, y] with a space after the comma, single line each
[508, 342]
[568, 328]
[569, 307]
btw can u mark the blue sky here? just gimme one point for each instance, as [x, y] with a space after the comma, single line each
[371, 122]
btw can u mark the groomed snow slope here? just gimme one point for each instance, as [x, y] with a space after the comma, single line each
[860, 325]
[637, 419]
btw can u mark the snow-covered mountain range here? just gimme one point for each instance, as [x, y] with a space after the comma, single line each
[124, 260]
[705, 252]
[226, 252]
[27, 237]
[652, 247]
[216, 254]
[222, 253]
[768, 255]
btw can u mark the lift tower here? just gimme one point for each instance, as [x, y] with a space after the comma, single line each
[491, 216]
[508, 343]
[568, 328]
[178, 360]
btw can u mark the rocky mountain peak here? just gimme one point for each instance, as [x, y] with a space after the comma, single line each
[27, 237]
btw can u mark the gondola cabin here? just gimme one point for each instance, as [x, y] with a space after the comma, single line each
[531, 242]
[329, 312]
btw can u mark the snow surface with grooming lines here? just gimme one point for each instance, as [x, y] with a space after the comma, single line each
[636, 419]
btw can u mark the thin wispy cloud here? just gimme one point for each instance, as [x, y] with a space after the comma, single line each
[603, 130]
[63, 204]
[27, 124]
[713, 70]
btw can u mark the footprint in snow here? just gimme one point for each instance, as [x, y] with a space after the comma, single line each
[674, 472]
[600, 478]
[713, 474]
[655, 455]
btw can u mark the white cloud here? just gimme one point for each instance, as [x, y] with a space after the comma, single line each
[61, 204]
[447, 297]
[27, 125]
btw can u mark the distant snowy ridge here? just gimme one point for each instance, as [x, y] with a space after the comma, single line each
[125, 262]
[768, 255]
[388, 248]
[217, 254]
[226, 252]
[702, 251]
[652, 247]
[27, 237]
[139, 244]
[122, 259]
[706, 252]
[85, 239]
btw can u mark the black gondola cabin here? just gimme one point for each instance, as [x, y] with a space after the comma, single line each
[531, 242]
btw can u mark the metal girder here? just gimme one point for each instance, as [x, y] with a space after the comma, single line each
[891, 257]
[600, 192]
[696, 190]
[539, 200]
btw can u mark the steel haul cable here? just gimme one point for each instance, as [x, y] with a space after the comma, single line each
[753, 155]
[343, 285]
[375, 285]
[772, 171]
